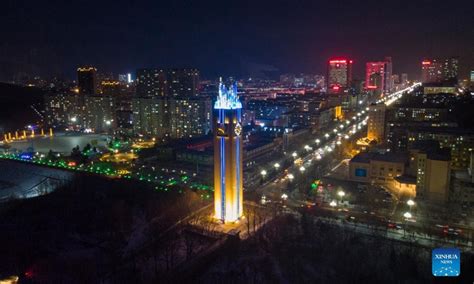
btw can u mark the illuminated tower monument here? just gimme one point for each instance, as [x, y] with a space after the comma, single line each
[228, 155]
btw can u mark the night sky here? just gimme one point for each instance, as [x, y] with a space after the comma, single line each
[224, 37]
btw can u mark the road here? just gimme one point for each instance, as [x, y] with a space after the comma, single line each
[372, 205]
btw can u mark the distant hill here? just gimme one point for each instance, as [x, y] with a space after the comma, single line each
[16, 106]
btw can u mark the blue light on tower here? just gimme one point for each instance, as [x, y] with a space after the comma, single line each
[228, 98]
[228, 155]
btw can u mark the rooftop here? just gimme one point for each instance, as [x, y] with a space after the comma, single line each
[366, 157]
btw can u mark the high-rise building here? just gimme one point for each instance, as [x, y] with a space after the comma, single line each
[172, 117]
[63, 110]
[150, 116]
[178, 82]
[228, 174]
[376, 123]
[339, 75]
[99, 113]
[438, 70]
[189, 117]
[404, 79]
[87, 80]
[375, 76]
[388, 75]
[151, 83]
[110, 88]
[378, 76]
[183, 82]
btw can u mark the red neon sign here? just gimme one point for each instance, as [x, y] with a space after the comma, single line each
[338, 61]
[426, 62]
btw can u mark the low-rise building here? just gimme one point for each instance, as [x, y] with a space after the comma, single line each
[376, 167]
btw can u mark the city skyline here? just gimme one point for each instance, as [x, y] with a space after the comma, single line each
[236, 141]
[268, 42]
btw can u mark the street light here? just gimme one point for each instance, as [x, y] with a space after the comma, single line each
[318, 141]
[291, 177]
[263, 173]
[410, 203]
[302, 169]
[333, 203]
[276, 165]
[407, 215]
[284, 196]
[294, 155]
[326, 135]
[341, 194]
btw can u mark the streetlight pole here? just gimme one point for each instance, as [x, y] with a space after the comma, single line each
[407, 216]
[341, 194]
[263, 173]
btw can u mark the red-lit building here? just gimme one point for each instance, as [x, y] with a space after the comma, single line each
[375, 75]
[339, 75]
[378, 76]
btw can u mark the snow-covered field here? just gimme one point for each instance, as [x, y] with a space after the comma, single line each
[21, 180]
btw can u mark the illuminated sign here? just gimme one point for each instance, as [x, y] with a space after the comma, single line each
[342, 61]
[360, 172]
